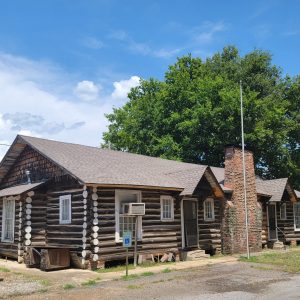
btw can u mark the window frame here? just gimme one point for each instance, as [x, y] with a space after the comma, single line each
[212, 201]
[280, 212]
[118, 194]
[4, 220]
[61, 199]
[162, 199]
[295, 228]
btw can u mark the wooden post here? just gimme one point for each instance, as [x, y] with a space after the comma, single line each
[126, 261]
[135, 242]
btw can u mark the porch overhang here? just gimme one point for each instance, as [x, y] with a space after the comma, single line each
[19, 189]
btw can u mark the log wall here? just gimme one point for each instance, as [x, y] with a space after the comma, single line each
[157, 236]
[287, 226]
[65, 235]
[98, 211]
[210, 231]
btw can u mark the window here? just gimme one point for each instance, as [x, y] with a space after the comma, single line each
[166, 208]
[209, 209]
[125, 222]
[283, 211]
[297, 216]
[8, 217]
[65, 209]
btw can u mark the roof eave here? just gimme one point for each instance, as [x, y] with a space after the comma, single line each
[134, 186]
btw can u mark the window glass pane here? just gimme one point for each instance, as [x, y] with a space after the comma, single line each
[167, 208]
[8, 228]
[283, 211]
[208, 210]
[65, 209]
[127, 223]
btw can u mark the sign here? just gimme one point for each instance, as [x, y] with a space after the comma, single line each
[127, 239]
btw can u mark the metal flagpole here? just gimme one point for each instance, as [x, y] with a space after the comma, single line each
[244, 171]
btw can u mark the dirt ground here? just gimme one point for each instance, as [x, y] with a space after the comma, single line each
[224, 280]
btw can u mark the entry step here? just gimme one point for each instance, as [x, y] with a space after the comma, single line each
[194, 255]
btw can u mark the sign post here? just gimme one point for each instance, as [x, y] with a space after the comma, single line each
[135, 242]
[127, 242]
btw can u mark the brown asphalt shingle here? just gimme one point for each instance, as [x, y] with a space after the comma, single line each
[104, 166]
[19, 189]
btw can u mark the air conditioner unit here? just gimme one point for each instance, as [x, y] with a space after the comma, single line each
[134, 209]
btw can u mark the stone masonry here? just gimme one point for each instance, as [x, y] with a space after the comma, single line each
[233, 225]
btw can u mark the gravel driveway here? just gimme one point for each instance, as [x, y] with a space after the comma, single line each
[232, 280]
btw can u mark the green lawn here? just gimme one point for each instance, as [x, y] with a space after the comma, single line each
[287, 261]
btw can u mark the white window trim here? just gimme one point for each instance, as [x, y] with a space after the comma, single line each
[3, 222]
[169, 198]
[281, 206]
[118, 193]
[295, 229]
[61, 199]
[212, 201]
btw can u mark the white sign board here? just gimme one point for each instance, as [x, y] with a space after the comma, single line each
[127, 239]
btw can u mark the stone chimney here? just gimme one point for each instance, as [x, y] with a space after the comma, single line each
[234, 229]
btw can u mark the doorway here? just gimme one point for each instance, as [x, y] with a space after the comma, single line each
[190, 223]
[272, 222]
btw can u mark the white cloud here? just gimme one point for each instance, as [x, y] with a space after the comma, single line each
[141, 47]
[93, 43]
[122, 88]
[165, 53]
[87, 90]
[205, 33]
[35, 100]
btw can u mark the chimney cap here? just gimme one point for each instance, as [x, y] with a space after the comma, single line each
[238, 146]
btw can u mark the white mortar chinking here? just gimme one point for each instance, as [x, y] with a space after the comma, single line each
[95, 241]
[20, 246]
[28, 228]
[84, 225]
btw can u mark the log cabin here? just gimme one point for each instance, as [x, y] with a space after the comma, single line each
[61, 201]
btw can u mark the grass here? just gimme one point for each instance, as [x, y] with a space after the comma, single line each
[44, 290]
[115, 269]
[130, 277]
[134, 286]
[89, 282]
[44, 282]
[147, 274]
[68, 286]
[166, 270]
[4, 269]
[287, 261]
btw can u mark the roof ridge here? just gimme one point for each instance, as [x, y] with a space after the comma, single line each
[112, 150]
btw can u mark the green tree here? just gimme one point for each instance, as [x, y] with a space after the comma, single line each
[195, 111]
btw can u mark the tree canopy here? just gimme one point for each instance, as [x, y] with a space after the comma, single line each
[195, 111]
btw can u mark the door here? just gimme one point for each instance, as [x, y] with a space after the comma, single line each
[272, 222]
[190, 218]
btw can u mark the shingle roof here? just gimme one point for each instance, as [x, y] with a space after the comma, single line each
[274, 188]
[18, 189]
[104, 166]
[220, 175]
[189, 178]
[92, 165]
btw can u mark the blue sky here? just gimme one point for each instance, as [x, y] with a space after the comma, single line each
[63, 64]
